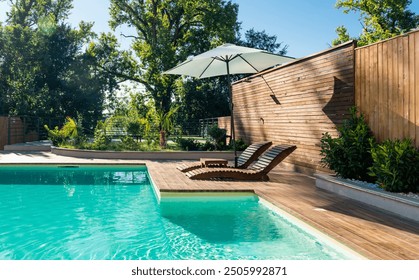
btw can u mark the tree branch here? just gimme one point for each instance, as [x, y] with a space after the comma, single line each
[130, 36]
[134, 15]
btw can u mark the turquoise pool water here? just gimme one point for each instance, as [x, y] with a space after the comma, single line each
[111, 212]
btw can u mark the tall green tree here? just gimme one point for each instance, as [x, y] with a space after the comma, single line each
[166, 33]
[44, 69]
[381, 19]
[264, 41]
[343, 36]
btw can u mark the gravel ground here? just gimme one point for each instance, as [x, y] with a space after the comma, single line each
[376, 187]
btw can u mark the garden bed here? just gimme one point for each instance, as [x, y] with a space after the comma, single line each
[159, 155]
[399, 204]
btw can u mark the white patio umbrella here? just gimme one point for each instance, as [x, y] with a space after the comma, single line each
[228, 59]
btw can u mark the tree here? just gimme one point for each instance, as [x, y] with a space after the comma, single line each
[261, 40]
[44, 68]
[167, 32]
[343, 36]
[202, 98]
[381, 19]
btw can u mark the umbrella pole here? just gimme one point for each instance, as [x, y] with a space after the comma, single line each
[233, 134]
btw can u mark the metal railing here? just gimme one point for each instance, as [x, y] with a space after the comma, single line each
[21, 129]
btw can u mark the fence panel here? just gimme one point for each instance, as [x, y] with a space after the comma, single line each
[21, 129]
[387, 86]
[297, 103]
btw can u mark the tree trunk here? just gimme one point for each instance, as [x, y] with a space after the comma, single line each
[163, 142]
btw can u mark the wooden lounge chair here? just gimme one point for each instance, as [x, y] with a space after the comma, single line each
[258, 171]
[246, 158]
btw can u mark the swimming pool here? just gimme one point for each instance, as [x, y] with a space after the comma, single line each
[112, 212]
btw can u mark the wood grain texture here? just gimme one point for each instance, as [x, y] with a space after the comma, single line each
[387, 87]
[314, 96]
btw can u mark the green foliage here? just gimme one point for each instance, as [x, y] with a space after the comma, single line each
[101, 140]
[165, 123]
[218, 135]
[68, 132]
[167, 32]
[202, 98]
[343, 36]
[188, 144]
[207, 146]
[349, 155]
[261, 40]
[381, 19]
[241, 145]
[45, 70]
[396, 166]
[129, 143]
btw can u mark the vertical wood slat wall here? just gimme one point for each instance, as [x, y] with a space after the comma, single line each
[3, 132]
[312, 95]
[387, 87]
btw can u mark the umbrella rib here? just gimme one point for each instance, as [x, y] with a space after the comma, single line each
[247, 62]
[209, 64]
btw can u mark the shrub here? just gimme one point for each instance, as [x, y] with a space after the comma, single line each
[68, 132]
[241, 145]
[188, 144]
[208, 146]
[101, 140]
[218, 135]
[349, 155]
[396, 166]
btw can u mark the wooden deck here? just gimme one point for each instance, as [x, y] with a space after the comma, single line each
[373, 233]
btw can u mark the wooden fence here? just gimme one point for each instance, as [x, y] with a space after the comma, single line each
[297, 103]
[4, 128]
[387, 86]
[22, 129]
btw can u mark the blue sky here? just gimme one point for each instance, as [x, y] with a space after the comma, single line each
[307, 26]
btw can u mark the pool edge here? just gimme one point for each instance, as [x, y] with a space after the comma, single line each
[323, 237]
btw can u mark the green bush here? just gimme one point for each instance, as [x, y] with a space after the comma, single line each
[396, 166]
[187, 144]
[208, 146]
[218, 135]
[241, 145]
[69, 132]
[349, 155]
[128, 143]
[101, 140]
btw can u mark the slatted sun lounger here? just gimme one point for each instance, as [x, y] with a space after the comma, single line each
[246, 158]
[258, 171]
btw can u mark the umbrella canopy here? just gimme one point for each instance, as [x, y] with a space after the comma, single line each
[228, 59]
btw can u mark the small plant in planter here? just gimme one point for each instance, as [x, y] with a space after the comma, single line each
[396, 166]
[349, 155]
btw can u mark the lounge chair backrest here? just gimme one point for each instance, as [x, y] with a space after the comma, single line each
[272, 158]
[251, 153]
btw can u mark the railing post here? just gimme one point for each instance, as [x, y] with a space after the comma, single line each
[24, 129]
[8, 130]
